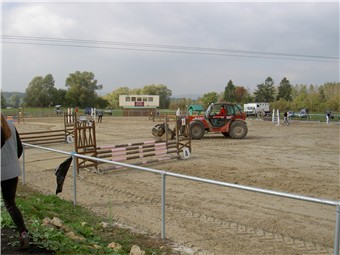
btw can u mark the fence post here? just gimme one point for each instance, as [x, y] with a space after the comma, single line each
[163, 205]
[337, 231]
[74, 179]
[23, 166]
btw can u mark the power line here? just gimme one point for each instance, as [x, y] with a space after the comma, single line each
[81, 43]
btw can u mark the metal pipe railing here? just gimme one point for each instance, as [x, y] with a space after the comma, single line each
[193, 178]
[163, 206]
[337, 231]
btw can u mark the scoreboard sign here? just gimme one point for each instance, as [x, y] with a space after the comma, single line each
[139, 104]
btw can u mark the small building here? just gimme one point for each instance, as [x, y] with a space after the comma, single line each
[139, 101]
[195, 109]
[139, 105]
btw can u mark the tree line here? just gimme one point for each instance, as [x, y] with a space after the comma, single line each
[285, 96]
[81, 91]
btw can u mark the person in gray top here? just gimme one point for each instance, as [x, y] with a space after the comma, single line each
[11, 150]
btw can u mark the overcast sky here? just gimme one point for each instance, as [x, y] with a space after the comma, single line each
[192, 47]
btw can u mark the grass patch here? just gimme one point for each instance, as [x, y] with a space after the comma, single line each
[36, 207]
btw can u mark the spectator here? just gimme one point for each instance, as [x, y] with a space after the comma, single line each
[285, 118]
[328, 117]
[11, 150]
[100, 115]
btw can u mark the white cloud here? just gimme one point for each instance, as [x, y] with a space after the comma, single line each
[37, 20]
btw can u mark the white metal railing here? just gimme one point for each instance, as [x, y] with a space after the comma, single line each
[192, 178]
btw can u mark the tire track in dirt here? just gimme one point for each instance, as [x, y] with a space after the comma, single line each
[235, 228]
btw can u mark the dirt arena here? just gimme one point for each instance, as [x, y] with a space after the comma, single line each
[302, 158]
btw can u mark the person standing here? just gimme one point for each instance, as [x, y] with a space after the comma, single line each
[100, 115]
[285, 118]
[11, 150]
[328, 116]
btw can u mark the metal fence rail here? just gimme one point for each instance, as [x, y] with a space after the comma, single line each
[192, 178]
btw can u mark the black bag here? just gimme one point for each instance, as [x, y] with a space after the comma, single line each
[61, 172]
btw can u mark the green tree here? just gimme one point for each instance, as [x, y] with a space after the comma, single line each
[332, 96]
[300, 97]
[208, 98]
[281, 104]
[40, 91]
[266, 91]
[161, 90]
[181, 103]
[313, 103]
[284, 90]
[15, 100]
[101, 103]
[113, 97]
[333, 103]
[322, 96]
[229, 92]
[137, 91]
[59, 97]
[3, 101]
[82, 88]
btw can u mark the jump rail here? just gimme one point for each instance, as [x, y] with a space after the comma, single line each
[44, 137]
[154, 151]
[52, 136]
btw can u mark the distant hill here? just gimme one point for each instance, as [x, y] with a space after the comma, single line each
[8, 95]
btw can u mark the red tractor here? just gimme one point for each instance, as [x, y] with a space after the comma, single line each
[227, 118]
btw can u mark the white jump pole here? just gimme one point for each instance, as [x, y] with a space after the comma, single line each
[278, 117]
[273, 116]
[68, 115]
[72, 120]
[93, 113]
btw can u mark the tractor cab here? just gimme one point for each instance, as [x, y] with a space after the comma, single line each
[216, 114]
[219, 114]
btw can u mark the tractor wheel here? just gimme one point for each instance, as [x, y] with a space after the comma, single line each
[197, 130]
[238, 130]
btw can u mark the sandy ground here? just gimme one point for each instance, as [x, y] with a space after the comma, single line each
[302, 158]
